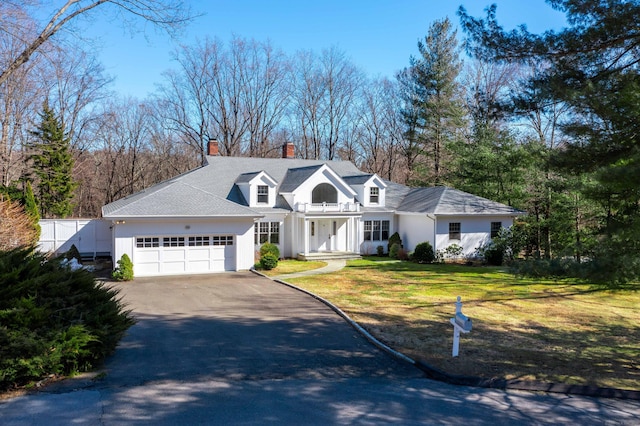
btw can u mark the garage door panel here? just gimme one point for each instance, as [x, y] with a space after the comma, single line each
[146, 269]
[199, 266]
[172, 254]
[146, 256]
[173, 267]
[198, 254]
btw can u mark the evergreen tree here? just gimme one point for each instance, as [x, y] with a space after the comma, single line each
[490, 164]
[53, 166]
[592, 68]
[433, 111]
[31, 208]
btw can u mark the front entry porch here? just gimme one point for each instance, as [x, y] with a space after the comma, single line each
[327, 236]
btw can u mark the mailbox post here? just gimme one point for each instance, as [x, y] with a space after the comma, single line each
[461, 324]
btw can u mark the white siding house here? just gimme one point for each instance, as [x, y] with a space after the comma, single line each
[217, 216]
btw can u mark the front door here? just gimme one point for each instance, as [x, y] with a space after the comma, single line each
[320, 235]
[324, 235]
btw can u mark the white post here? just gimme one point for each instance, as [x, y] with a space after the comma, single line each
[456, 340]
[457, 329]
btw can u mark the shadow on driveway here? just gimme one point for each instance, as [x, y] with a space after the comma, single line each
[238, 326]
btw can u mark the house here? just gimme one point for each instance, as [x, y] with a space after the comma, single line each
[215, 218]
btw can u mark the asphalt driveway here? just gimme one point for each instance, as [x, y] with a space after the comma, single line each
[241, 349]
[239, 326]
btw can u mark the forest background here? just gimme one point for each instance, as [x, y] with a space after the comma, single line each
[547, 123]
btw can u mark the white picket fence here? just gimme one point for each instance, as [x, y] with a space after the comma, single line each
[92, 237]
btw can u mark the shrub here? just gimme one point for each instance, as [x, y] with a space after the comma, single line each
[268, 248]
[393, 251]
[268, 262]
[124, 270]
[53, 320]
[453, 250]
[72, 253]
[494, 254]
[423, 253]
[403, 254]
[380, 251]
[394, 239]
[16, 227]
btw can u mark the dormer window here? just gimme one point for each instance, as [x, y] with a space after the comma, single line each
[263, 194]
[374, 195]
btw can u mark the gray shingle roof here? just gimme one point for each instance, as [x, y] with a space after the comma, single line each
[175, 199]
[212, 190]
[296, 177]
[356, 180]
[443, 200]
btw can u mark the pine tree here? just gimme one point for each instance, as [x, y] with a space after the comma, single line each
[433, 111]
[31, 208]
[53, 166]
[591, 67]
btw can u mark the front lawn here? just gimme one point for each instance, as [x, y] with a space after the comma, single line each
[547, 330]
[291, 266]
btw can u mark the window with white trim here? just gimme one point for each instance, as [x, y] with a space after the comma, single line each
[266, 232]
[199, 241]
[222, 240]
[173, 241]
[263, 194]
[147, 242]
[495, 229]
[376, 230]
[454, 230]
[374, 195]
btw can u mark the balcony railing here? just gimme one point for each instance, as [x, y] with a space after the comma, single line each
[327, 207]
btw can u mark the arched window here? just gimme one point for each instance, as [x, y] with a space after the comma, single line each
[324, 193]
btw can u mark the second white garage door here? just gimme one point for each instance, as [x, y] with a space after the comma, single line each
[189, 254]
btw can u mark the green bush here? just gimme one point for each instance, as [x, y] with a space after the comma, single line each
[124, 270]
[380, 251]
[72, 253]
[53, 320]
[494, 255]
[423, 253]
[393, 250]
[268, 248]
[268, 262]
[454, 251]
[394, 239]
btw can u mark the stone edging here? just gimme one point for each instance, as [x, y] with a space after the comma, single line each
[495, 383]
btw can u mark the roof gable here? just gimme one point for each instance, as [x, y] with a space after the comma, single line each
[365, 179]
[248, 178]
[298, 177]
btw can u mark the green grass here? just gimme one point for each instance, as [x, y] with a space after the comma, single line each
[560, 331]
[291, 266]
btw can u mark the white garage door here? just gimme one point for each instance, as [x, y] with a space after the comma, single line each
[189, 254]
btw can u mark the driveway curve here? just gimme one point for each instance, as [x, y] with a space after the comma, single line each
[238, 326]
[240, 349]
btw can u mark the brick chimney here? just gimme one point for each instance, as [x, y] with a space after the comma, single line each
[212, 147]
[288, 150]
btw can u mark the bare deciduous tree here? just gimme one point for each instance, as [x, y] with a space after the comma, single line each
[324, 97]
[167, 14]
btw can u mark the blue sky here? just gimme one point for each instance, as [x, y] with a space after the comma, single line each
[378, 35]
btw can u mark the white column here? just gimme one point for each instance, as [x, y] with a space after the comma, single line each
[306, 236]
